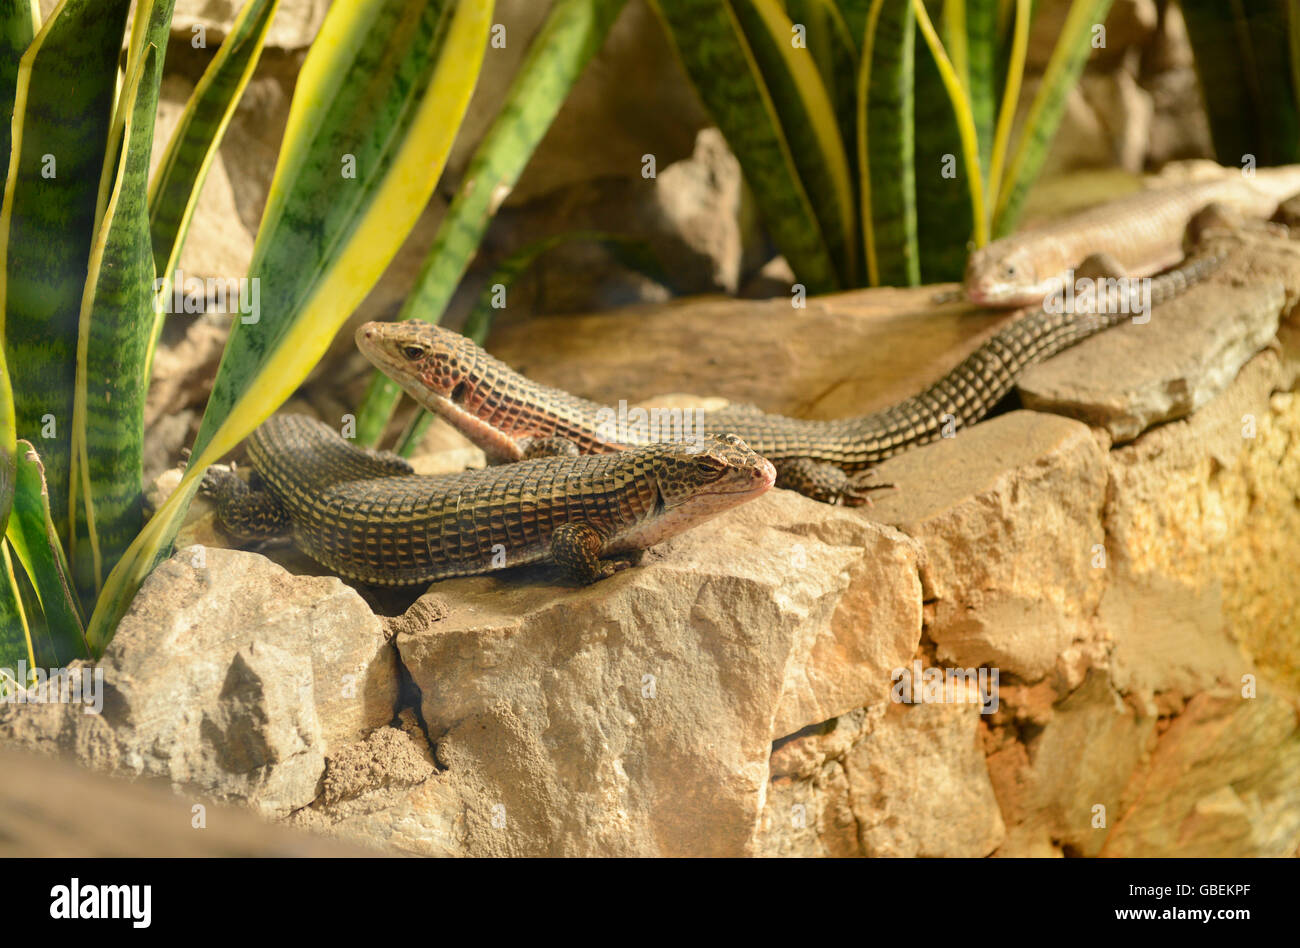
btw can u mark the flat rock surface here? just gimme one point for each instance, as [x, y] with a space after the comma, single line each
[1135, 376]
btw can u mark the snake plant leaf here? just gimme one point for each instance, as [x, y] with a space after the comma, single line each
[943, 206]
[1268, 60]
[58, 638]
[965, 121]
[8, 443]
[712, 47]
[380, 97]
[19, 21]
[887, 145]
[835, 53]
[1017, 54]
[1221, 54]
[15, 631]
[63, 102]
[117, 317]
[981, 21]
[809, 122]
[573, 31]
[855, 14]
[174, 191]
[1071, 51]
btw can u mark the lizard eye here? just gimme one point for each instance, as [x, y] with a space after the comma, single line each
[708, 465]
[414, 353]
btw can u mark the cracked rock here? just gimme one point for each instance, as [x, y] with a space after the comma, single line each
[231, 677]
[636, 716]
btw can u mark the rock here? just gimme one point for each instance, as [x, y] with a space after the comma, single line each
[1132, 377]
[1080, 756]
[1008, 512]
[700, 201]
[231, 678]
[44, 812]
[1179, 128]
[920, 786]
[1223, 780]
[294, 27]
[893, 780]
[1201, 526]
[1125, 112]
[650, 727]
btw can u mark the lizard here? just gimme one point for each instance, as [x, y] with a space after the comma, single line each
[511, 417]
[1142, 232]
[368, 517]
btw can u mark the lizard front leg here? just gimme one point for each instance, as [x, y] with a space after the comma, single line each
[245, 514]
[554, 446]
[575, 546]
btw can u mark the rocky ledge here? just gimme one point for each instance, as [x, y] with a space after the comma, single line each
[1118, 549]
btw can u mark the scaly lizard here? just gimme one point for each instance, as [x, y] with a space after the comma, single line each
[511, 417]
[1141, 232]
[366, 516]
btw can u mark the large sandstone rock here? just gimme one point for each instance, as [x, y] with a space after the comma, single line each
[1135, 376]
[230, 677]
[1009, 513]
[636, 716]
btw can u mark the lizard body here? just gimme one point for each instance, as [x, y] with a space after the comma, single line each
[510, 416]
[368, 518]
[1142, 232]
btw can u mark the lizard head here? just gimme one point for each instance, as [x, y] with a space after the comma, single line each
[427, 361]
[699, 479]
[997, 276]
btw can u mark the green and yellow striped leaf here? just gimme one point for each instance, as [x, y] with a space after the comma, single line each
[8, 444]
[808, 119]
[117, 317]
[856, 13]
[835, 52]
[63, 105]
[1218, 35]
[378, 102]
[174, 191]
[981, 81]
[964, 118]
[1073, 46]
[574, 30]
[887, 145]
[57, 636]
[19, 21]
[712, 47]
[1268, 57]
[943, 207]
[15, 632]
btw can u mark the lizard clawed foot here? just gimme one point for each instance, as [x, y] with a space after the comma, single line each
[827, 483]
[857, 493]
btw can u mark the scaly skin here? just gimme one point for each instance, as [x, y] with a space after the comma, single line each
[508, 415]
[363, 516]
[1142, 232]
